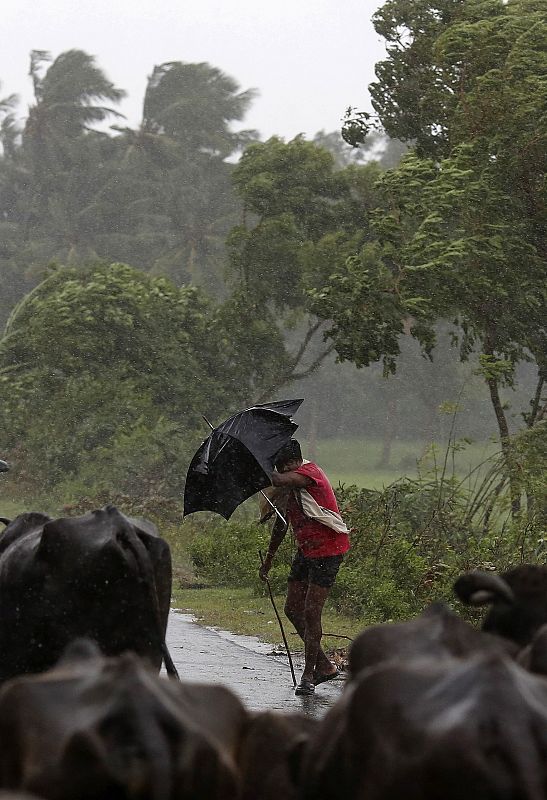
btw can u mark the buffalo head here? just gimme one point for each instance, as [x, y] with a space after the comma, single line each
[518, 600]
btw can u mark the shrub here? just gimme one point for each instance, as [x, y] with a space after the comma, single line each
[226, 554]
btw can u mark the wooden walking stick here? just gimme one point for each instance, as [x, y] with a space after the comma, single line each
[279, 620]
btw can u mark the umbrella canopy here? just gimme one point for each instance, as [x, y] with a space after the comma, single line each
[4, 467]
[236, 460]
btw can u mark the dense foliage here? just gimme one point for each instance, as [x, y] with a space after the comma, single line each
[106, 370]
[161, 199]
[105, 373]
[304, 215]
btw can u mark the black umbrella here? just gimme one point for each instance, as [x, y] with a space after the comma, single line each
[4, 467]
[236, 460]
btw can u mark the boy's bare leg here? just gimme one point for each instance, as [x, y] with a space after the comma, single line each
[304, 602]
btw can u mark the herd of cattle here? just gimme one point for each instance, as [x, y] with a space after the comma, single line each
[433, 709]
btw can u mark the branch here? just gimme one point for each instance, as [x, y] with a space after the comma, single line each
[313, 328]
[532, 417]
[313, 366]
[289, 377]
[290, 374]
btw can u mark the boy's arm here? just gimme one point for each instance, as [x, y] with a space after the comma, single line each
[278, 534]
[292, 480]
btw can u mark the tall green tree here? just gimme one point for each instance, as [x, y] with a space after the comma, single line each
[68, 101]
[169, 202]
[462, 224]
[51, 170]
[196, 105]
[302, 216]
[159, 197]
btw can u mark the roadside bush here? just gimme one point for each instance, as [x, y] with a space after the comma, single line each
[403, 550]
[226, 554]
[531, 450]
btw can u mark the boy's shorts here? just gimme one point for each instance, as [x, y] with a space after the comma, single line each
[321, 571]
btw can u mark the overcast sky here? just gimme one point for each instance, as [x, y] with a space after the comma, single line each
[308, 59]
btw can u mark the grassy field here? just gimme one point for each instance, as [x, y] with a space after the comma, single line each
[351, 461]
[10, 507]
[348, 461]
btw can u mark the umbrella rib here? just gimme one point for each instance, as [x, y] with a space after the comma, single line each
[265, 496]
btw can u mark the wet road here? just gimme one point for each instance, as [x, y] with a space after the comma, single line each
[262, 681]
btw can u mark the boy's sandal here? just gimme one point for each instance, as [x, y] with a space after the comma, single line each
[306, 688]
[318, 678]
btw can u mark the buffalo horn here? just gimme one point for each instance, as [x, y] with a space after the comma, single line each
[480, 588]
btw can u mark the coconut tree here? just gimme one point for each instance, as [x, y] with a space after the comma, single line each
[174, 171]
[69, 100]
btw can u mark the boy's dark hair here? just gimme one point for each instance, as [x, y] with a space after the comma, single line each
[288, 452]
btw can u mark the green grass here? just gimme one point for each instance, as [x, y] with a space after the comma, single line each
[10, 507]
[242, 612]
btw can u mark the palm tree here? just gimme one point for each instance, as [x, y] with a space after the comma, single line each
[69, 101]
[9, 130]
[195, 105]
[67, 95]
[174, 173]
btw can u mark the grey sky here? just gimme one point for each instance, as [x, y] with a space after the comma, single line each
[309, 59]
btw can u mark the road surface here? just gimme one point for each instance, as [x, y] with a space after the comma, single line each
[262, 681]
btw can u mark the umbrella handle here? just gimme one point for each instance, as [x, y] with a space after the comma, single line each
[274, 507]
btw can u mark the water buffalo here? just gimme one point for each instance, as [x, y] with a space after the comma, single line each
[422, 730]
[271, 754]
[102, 575]
[518, 600]
[94, 728]
[437, 633]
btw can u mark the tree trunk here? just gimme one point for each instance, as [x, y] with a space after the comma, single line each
[505, 441]
[390, 432]
[312, 444]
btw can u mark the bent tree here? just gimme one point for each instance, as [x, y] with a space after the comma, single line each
[461, 225]
[302, 214]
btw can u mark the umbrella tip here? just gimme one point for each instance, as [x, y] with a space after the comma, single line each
[207, 421]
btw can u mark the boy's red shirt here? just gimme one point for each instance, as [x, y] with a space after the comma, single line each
[314, 539]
